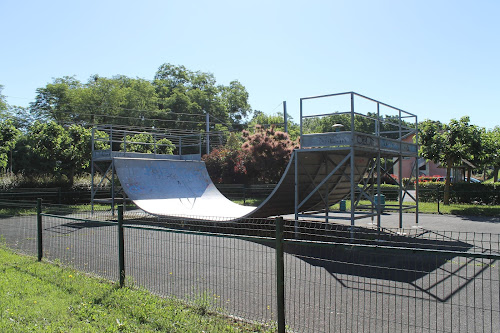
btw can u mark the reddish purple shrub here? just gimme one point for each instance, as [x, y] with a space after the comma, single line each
[262, 159]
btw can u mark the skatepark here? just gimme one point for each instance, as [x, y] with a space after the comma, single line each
[290, 259]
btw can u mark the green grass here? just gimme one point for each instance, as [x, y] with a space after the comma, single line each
[452, 209]
[55, 209]
[249, 201]
[42, 297]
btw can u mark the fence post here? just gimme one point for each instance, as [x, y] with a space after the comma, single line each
[244, 194]
[39, 227]
[437, 189]
[121, 246]
[280, 275]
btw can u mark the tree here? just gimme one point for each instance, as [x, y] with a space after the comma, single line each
[184, 95]
[176, 98]
[3, 103]
[56, 101]
[9, 135]
[235, 102]
[145, 143]
[118, 100]
[274, 120]
[491, 149]
[67, 150]
[449, 144]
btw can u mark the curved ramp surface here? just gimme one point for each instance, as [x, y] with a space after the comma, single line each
[184, 188]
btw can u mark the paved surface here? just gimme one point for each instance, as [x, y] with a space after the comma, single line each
[428, 221]
[327, 289]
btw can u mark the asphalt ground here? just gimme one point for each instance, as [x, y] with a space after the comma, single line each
[328, 289]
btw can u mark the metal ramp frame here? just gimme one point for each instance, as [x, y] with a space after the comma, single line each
[328, 168]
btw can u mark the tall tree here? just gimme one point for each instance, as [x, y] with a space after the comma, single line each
[9, 135]
[68, 150]
[185, 94]
[3, 102]
[449, 144]
[119, 100]
[176, 98]
[491, 149]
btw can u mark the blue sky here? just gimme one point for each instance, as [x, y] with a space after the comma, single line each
[436, 59]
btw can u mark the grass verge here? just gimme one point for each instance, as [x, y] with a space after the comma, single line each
[452, 209]
[38, 296]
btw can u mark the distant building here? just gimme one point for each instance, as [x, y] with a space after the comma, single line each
[429, 168]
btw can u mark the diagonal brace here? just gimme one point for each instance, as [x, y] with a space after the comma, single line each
[324, 180]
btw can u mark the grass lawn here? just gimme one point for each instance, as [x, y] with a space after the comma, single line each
[43, 297]
[453, 209]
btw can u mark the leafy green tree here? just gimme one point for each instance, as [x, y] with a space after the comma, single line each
[184, 93]
[3, 103]
[276, 121]
[146, 143]
[176, 98]
[118, 100]
[56, 101]
[491, 150]
[449, 144]
[67, 150]
[9, 135]
[235, 102]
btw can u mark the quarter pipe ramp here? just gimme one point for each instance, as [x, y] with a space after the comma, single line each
[184, 189]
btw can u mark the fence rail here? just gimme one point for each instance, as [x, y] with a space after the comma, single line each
[325, 278]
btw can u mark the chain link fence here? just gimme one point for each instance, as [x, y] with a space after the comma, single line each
[330, 278]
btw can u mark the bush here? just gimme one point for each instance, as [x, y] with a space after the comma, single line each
[269, 152]
[391, 192]
[478, 193]
[227, 166]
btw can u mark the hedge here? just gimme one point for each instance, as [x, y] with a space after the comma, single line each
[476, 193]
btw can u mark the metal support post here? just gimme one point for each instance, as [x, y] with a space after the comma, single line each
[280, 275]
[296, 224]
[352, 175]
[285, 117]
[400, 174]
[112, 187]
[327, 202]
[400, 167]
[377, 129]
[154, 143]
[92, 172]
[437, 190]
[121, 246]
[39, 228]
[208, 132]
[417, 199]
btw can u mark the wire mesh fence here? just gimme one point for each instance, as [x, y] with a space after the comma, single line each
[337, 278]
[350, 288]
[18, 229]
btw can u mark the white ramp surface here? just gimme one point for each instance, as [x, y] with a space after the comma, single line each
[184, 188]
[175, 188]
